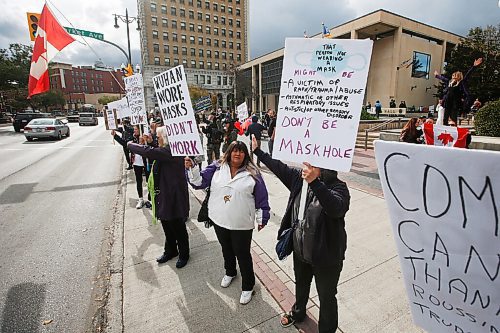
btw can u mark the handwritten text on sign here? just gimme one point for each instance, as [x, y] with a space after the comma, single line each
[110, 119]
[322, 90]
[445, 220]
[177, 112]
[135, 95]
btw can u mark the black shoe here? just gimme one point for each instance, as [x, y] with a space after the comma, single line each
[181, 263]
[129, 167]
[165, 257]
[148, 204]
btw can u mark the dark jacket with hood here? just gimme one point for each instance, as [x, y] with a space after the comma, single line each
[255, 128]
[320, 239]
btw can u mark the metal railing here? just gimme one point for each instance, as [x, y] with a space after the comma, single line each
[379, 126]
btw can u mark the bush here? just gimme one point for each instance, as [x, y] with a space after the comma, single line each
[487, 119]
[366, 116]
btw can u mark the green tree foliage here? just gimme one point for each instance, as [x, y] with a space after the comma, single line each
[50, 98]
[107, 99]
[485, 43]
[487, 119]
[15, 63]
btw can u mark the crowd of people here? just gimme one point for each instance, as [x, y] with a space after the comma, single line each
[238, 201]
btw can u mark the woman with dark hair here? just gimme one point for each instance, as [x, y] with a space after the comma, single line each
[410, 133]
[319, 240]
[456, 94]
[238, 199]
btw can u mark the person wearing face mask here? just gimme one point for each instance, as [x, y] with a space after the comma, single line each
[238, 199]
[319, 240]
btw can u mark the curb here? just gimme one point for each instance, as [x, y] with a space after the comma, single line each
[276, 281]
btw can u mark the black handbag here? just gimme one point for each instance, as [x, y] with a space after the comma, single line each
[203, 213]
[284, 247]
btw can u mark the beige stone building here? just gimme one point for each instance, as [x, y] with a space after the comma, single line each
[208, 37]
[405, 55]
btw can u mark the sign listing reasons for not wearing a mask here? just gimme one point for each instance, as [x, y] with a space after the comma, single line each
[322, 89]
[445, 220]
[177, 112]
[135, 95]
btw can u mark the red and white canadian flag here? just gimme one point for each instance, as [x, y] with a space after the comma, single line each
[447, 136]
[50, 39]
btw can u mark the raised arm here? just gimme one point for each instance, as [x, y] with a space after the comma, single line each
[160, 154]
[199, 179]
[335, 200]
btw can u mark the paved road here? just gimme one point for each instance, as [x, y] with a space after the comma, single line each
[56, 200]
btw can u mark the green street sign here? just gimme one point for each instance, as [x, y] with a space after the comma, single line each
[85, 33]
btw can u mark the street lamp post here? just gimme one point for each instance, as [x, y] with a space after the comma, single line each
[127, 20]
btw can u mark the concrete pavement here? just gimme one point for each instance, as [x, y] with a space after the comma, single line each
[161, 298]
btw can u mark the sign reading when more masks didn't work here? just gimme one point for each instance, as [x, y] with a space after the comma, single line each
[135, 95]
[322, 90]
[445, 220]
[177, 112]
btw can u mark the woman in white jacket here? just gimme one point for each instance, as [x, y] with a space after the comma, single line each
[238, 199]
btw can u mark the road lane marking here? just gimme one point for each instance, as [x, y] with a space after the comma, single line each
[47, 148]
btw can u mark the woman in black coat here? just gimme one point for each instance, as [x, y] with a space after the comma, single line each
[319, 241]
[172, 197]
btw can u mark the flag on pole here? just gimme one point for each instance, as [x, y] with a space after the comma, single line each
[447, 136]
[51, 38]
[326, 33]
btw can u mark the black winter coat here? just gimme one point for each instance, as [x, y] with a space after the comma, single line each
[173, 200]
[321, 239]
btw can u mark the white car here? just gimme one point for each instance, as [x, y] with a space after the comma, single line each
[46, 128]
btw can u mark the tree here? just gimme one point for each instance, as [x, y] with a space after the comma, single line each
[48, 99]
[196, 92]
[107, 99]
[485, 43]
[15, 62]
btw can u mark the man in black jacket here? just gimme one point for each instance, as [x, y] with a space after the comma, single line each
[214, 139]
[319, 241]
[127, 132]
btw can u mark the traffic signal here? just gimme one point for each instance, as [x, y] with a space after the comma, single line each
[33, 19]
[128, 71]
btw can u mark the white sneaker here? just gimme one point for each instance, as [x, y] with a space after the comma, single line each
[246, 296]
[140, 203]
[226, 281]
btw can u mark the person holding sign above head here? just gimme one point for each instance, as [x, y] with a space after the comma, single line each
[171, 199]
[238, 199]
[319, 239]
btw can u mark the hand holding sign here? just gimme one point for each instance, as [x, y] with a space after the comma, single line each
[254, 143]
[310, 173]
[188, 163]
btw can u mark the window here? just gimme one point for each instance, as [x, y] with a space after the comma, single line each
[184, 62]
[223, 44]
[174, 37]
[202, 66]
[215, 7]
[200, 40]
[216, 42]
[224, 55]
[216, 31]
[222, 8]
[155, 34]
[230, 21]
[230, 33]
[176, 62]
[157, 61]
[219, 80]
[200, 28]
[184, 50]
[238, 12]
[163, 9]
[191, 27]
[208, 41]
[231, 56]
[223, 32]
[196, 79]
[238, 46]
[216, 54]
[190, 2]
[191, 14]
[183, 25]
[209, 54]
[421, 64]
[174, 24]
[165, 35]
[238, 57]
[237, 2]
[200, 52]
[183, 39]
[176, 49]
[154, 21]
[209, 77]
[191, 39]
[207, 17]
[166, 49]
[216, 65]
[167, 61]
[216, 19]
[202, 78]
[231, 45]
[224, 80]
[209, 66]
[164, 22]
[223, 20]
[200, 16]
[207, 5]
[182, 13]
[173, 11]
[224, 66]
[238, 35]
[193, 65]
[156, 47]
[193, 51]
[230, 10]
[238, 23]
[207, 30]
[198, 3]
[153, 7]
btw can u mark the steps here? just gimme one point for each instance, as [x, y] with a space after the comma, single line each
[360, 139]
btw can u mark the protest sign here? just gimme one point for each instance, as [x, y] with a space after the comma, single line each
[177, 112]
[122, 109]
[110, 119]
[135, 95]
[242, 111]
[322, 90]
[445, 220]
[202, 104]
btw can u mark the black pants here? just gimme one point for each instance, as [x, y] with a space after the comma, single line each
[213, 148]
[176, 238]
[270, 145]
[127, 155]
[138, 170]
[326, 284]
[236, 245]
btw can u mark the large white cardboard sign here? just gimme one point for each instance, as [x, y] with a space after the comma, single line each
[110, 118]
[122, 108]
[135, 94]
[242, 111]
[445, 219]
[322, 88]
[177, 112]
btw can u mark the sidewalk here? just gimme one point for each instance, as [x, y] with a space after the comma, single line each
[161, 298]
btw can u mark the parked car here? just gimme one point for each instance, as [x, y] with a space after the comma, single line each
[21, 119]
[46, 128]
[87, 119]
[73, 118]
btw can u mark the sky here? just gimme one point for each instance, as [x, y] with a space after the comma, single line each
[270, 21]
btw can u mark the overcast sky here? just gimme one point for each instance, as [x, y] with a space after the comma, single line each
[271, 21]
